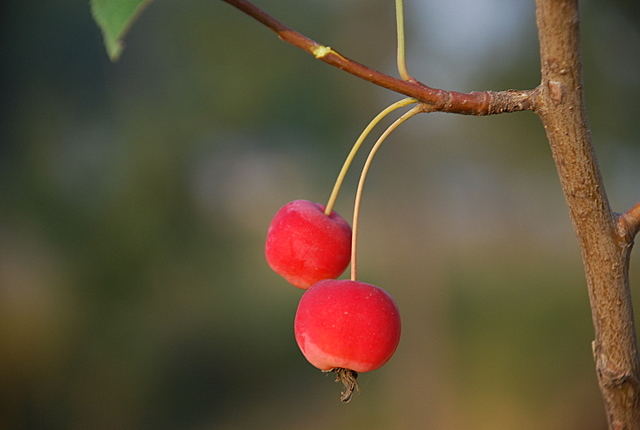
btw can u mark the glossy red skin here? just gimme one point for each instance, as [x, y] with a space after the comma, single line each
[347, 324]
[306, 246]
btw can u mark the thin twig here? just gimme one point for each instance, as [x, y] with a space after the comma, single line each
[630, 222]
[473, 103]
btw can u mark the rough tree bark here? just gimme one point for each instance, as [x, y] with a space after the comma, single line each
[605, 242]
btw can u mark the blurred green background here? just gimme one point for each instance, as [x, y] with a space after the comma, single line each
[135, 197]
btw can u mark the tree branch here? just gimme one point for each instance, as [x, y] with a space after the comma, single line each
[630, 222]
[605, 251]
[474, 103]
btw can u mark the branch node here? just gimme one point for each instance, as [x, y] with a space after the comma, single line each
[321, 50]
[629, 223]
[615, 378]
[556, 91]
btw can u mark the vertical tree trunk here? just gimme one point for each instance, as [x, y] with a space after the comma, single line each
[605, 247]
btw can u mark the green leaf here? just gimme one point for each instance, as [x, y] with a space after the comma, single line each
[115, 17]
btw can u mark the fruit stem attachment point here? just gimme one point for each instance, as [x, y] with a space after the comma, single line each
[349, 379]
[356, 209]
[356, 146]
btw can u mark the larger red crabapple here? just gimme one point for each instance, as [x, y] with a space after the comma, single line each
[344, 325]
[306, 246]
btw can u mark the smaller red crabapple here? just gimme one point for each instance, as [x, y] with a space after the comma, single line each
[347, 327]
[304, 245]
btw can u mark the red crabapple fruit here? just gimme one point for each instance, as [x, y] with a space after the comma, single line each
[306, 246]
[347, 327]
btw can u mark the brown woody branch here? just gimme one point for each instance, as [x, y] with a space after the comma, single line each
[474, 103]
[630, 222]
[605, 247]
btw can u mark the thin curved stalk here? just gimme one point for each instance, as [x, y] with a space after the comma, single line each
[363, 176]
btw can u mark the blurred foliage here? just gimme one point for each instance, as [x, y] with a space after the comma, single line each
[134, 199]
[115, 18]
